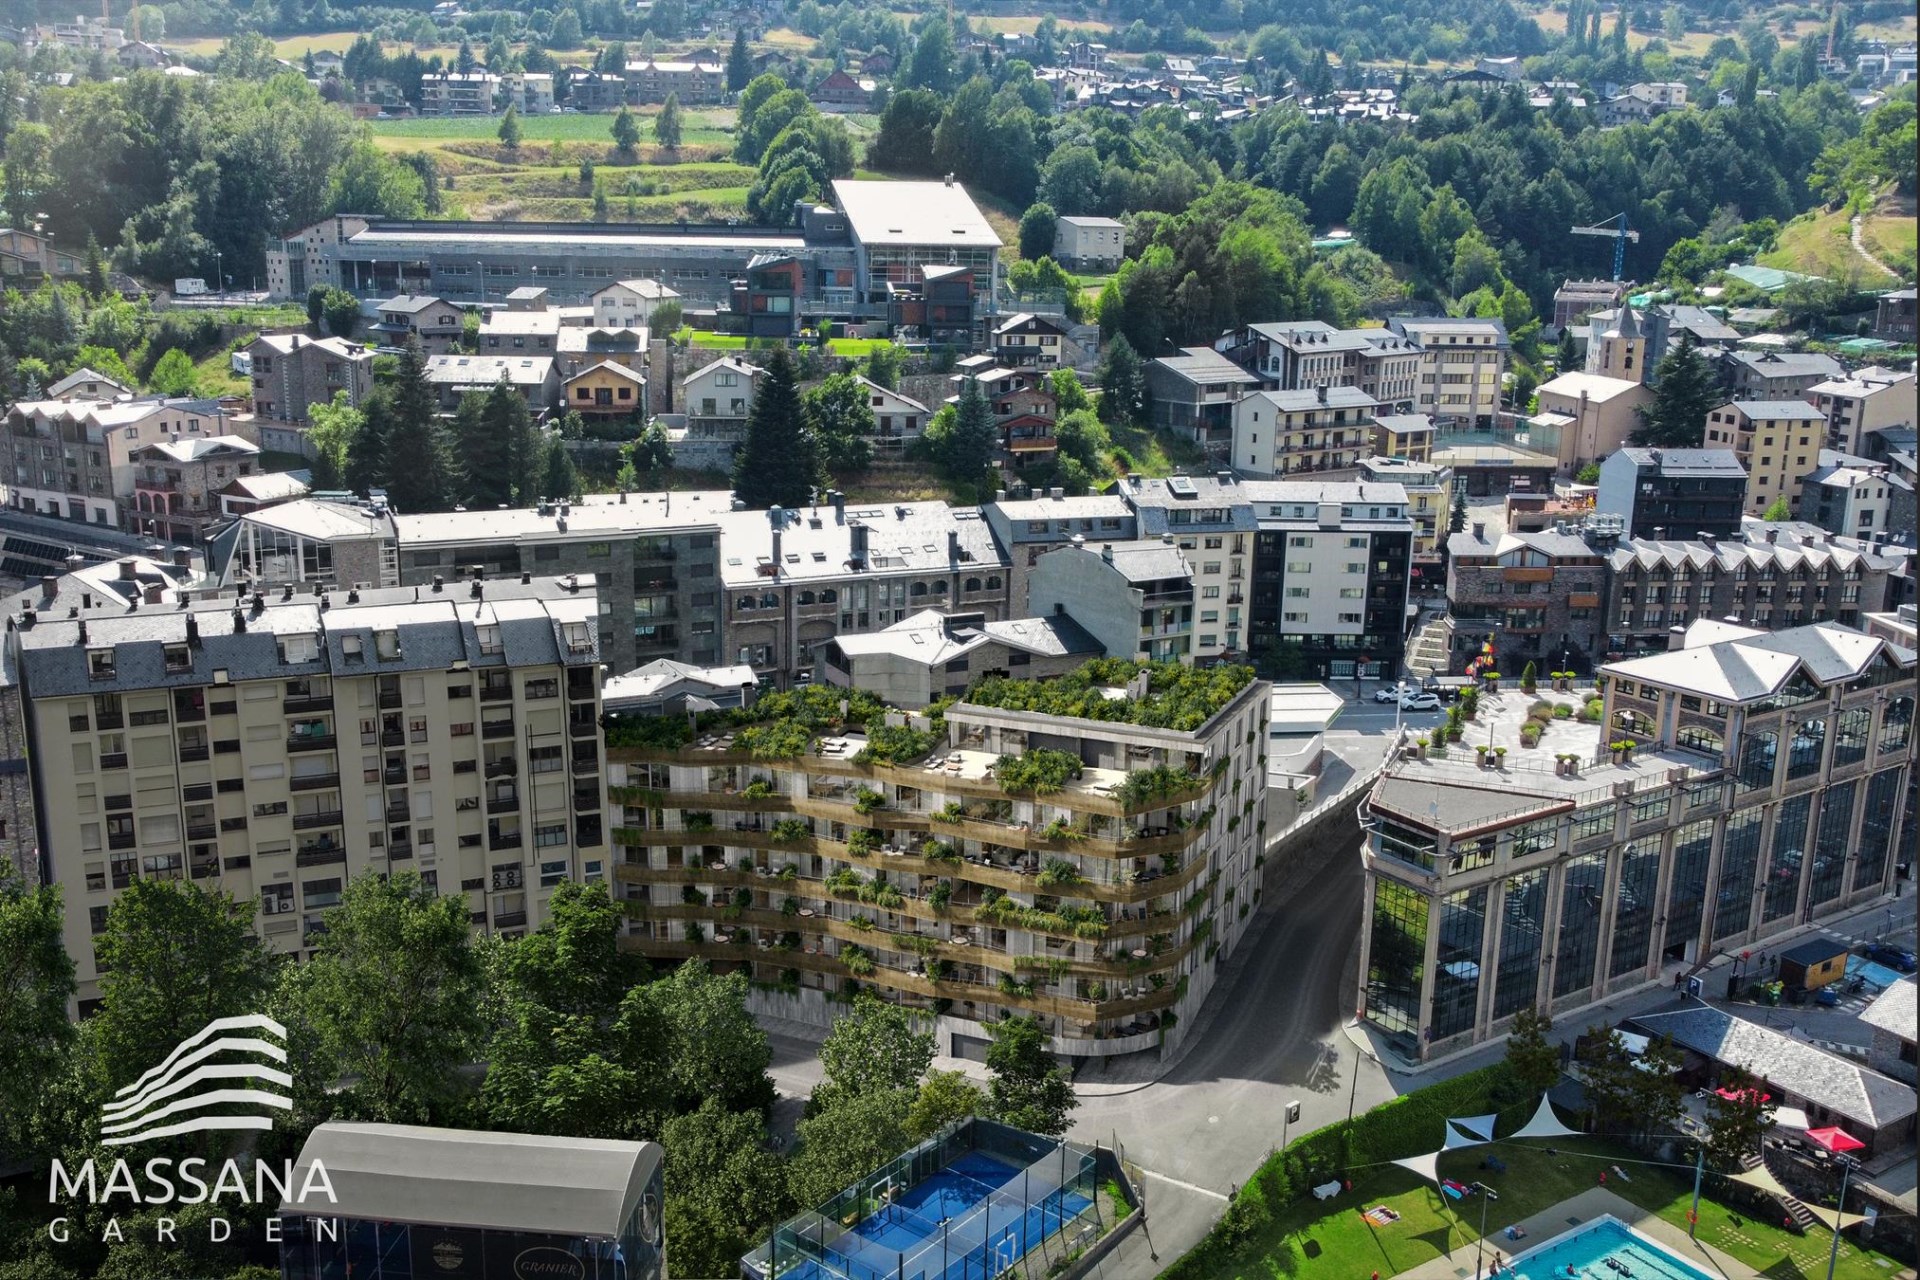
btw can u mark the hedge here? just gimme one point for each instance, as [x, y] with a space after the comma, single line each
[1411, 1125]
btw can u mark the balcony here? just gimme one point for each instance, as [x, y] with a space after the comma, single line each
[585, 763]
[194, 753]
[494, 730]
[586, 801]
[317, 818]
[502, 768]
[496, 693]
[509, 919]
[504, 840]
[109, 720]
[503, 804]
[393, 737]
[198, 791]
[113, 760]
[202, 870]
[389, 699]
[399, 850]
[147, 719]
[582, 727]
[306, 703]
[312, 742]
[314, 782]
[394, 775]
[319, 854]
[201, 830]
[399, 812]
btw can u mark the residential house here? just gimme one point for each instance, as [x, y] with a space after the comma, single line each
[1193, 394]
[1640, 103]
[1092, 245]
[513, 331]
[629, 303]
[932, 654]
[897, 420]
[1847, 495]
[177, 485]
[1212, 521]
[1135, 598]
[25, 258]
[935, 306]
[86, 384]
[1777, 441]
[605, 390]
[1894, 315]
[1866, 401]
[1891, 1017]
[73, 459]
[695, 82]
[1686, 492]
[434, 322]
[1024, 339]
[843, 91]
[1028, 528]
[579, 347]
[1429, 489]
[1407, 436]
[1286, 433]
[1583, 417]
[1023, 405]
[292, 372]
[719, 397]
[533, 377]
[458, 93]
[530, 91]
[262, 489]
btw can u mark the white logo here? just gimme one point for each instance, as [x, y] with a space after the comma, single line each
[190, 1080]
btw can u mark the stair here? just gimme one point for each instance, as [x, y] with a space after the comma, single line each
[1427, 655]
[1793, 1208]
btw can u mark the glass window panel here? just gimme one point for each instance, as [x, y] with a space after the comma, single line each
[1876, 828]
[1456, 978]
[1692, 849]
[1634, 911]
[1522, 933]
[1739, 865]
[1830, 847]
[1789, 858]
[1396, 957]
[1580, 899]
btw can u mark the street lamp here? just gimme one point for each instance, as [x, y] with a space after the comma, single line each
[1291, 1114]
[1487, 1194]
[219, 276]
[1846, 1164]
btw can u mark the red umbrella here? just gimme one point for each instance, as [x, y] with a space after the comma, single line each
[1735, 1095]
[1838, 1141]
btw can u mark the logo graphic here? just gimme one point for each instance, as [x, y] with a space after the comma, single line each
[193, 1079]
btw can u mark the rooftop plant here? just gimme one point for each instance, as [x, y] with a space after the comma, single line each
[1042, 771]
[1178, 697]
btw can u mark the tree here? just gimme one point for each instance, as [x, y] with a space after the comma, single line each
[509, 132]
[970, 446]
[1737, 1123]
[565, 32]
[1589, 473]
[96, 268]
[1533, 1059]
[369, 180]
[739, 62]
[173, 374]
[366, 468]
[1779, 509]
[1568, 356]
[1037, 227]
[1654, 1086]
[395, 998]
[1457, 519]
[335, 427]
[1606, 1071]
[1028, 1090]
[839, 418]
[485, 456]
[931, 64]
[876, 1047]
[775, 466]
[175, 956]
[419, 470]
[884, 363]
[626, 131]
[34, 1031]
[1069, 393]
[667, 125]
[25, 171]
[945, 1098]
[908, 123]
[1122, 382]
[562, 481]
[849, 1140]
[342, 312]
[1684, 392]
[316, 304]
[723, 1188]
[714, 1047]
[573, 963]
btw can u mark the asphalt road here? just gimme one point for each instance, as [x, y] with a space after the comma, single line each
[1274, 1038]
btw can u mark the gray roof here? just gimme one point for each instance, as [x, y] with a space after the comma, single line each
[1791, 410]
[1404, 423]
[913, 213]
[1310, 398]
[1740, 665]
[1154, 499]
[1688, 462]
[473, 1178]
[1778, 364]
[930, 637]
[480, 371]
[1204, 365]
[597, 516]
[1865, 1097]
[1894, 1010]
[1142, 561]
[410, 303]
[815, 544]
[1313, 335]
[1701, 323]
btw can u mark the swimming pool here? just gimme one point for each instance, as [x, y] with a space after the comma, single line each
[1603, 1249]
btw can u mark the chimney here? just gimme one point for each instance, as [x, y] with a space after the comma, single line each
[1057, 493]
[776, 547]
[1659, 533]
[193, 631]
[49, 585]
[83, 631]
[526, 579]
[155, 593]
[239, 623]
[439, 583]
[1711, 539]
[999, 495]
[129, 569]
[1224, 477]
[953, 546]
[288, 593]
[1078, 540]
[839, 501]
[182, 557]
[76, 562]
[353, 595]
[477, 589]
[857, 545]
[1479, 531]
[1676, 638]
[1106, 552]
[1773, 537]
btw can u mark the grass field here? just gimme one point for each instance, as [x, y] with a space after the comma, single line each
[1816, 243]
[1306, 1237]
[1889, 233]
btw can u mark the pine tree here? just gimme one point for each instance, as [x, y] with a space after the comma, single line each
[96, 268]
[626, 131]
[1121, 382]
[486, 470]
[1683, 394]
[1458, 520]
[419, 464]
[775, 467]
[1568, 355]
[970, 449]
[561, 479]
[739, 62]
[510, 128]
[367, 451]
[666, 125]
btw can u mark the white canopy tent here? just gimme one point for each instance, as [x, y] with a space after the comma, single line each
[1480, 1127]
[1545, 1124]
[1427, 1166]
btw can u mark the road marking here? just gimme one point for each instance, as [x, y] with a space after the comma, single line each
[1184, 1186]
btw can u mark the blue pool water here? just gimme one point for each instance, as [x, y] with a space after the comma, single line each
[943, 1228]
[1604, 1249]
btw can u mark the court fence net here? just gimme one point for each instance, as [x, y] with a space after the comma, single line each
[1030, 1203]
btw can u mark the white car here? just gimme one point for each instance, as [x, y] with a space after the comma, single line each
[1420, 702]
[1388, 693]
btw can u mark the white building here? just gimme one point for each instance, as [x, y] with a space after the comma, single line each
[1089, 244]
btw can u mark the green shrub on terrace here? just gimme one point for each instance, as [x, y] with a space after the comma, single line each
[656, 733]
[1178, 697]
[939, 851]
[788, 830]
[758, 789]
[1143, 786]
[894, 744]
[861, 842]
[1057, 872]
[857, 959]
[777, 740]
[1041, 772]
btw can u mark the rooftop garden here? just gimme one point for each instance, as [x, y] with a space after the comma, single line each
[1178, 697]
[782, 726]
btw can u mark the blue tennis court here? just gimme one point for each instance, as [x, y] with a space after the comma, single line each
[968, 1221]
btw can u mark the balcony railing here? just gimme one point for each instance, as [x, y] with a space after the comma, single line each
[496, 693]
[317, 818]
[312, 742]
[319, 855]
[503, 804]
[314, 781]
[504, 840]
[493, 730]
[502, 768]
[194, 754]
[306, 703]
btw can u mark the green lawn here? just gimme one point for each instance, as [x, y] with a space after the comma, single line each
[1155, 453]
[1817, 243]
[699, 126]
[1310, 1237]
[858, 348]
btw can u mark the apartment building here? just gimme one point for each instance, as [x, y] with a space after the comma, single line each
[932, 654]
[1407, 436]
[1682, 491]
[1583, 417]
[694, 82]
[1028, 528]
[1211, 520]
[1777, 575]
[177, 485]
[530, 91]
[1864, 402]
[292, 372]
[1104, 909]
[1536, 597]
[1193, 395]
[1305, 354]
[1283, 433]
[1848, 495]
[74, 459]
[1027, 339]
[1331, 570]
[1135, 598]
[459, 93]
[1463, 363]
[1429, 489]
[1775, 375]
[1089, 244]
[1777, 441]
[792, 580]
[203, 736]
[535, 378]
[1766, 783]
[307, 542]
[435, 323]
[629, 303]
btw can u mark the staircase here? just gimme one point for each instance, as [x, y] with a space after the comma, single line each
[1794, 1209]
[1427, 655]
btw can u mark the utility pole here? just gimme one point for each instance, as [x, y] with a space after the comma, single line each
[1840, 1207]
[1488, 1194]
[1699, 1171]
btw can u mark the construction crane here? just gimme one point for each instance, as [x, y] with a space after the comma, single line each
[1620, 235]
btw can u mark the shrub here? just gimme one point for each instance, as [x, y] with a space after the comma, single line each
[940, 895]
[1541, 710]
[939, 851]
[758, 789]
[952, 812]
[1561, 711]
[1530, 733]
[780, 740]
[862, 842]
[788, 830]
[1143, 786]
[857, 959]
[894, 744]
[656, 733]
[1056, 872]
[1040, 772]
[1593, 710]
[1178, 697]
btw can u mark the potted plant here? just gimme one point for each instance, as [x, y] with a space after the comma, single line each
[1422, 743]
[1528, 678]
[1480, 754]
[1493, 681]
[1501, 753]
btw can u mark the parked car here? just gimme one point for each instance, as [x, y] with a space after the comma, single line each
[1420, 702]
[1891, 956]
[1387, 693]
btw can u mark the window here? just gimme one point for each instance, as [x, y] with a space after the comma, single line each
[1596, 820]
[1580, 909]
[544, 760]
[1396, 957]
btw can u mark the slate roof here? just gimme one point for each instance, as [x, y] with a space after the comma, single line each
[1688, 462]
[1863, 1096]
[409, 303]
[908, 537]
[930, 637]
[1786, 410]
[1750, 667]
[1894, 1010]
[1308, 399]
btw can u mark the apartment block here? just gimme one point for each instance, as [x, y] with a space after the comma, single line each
[1028, 528]
[1193, 394]
[1331, 569]
[1212, 522]
[1089, 244]
[177, 485]
[1583, 417]
[1429, 489]
[433, 322]
[1284, 433]
[1848, 495]
[1535, 597]
[1866, 401]
[275, 746]
[1135, 598]
[74, 459]
[1777, 441]
[459, 93]
[292, 372]
[918, 867]
[1679, 491]
[1766, 781]
[1462, 364]
[1776, 375]
[1305, 354]
[693, 82]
